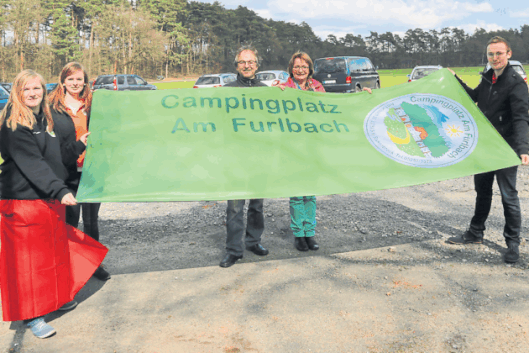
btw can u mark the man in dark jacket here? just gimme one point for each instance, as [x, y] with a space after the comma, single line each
[503, 98]
[246, 62]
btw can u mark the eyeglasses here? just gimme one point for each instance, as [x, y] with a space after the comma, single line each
[304, 68]
[498, 54]
[249, 63]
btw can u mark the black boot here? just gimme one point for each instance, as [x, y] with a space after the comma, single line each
[301, 244]
[311, 243]
[513, 253]
[101, 274]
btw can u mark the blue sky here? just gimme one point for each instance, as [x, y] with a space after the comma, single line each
[340, 17]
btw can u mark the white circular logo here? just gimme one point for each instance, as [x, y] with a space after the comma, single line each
[422, 130]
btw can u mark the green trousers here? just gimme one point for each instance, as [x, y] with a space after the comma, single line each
[303, 215]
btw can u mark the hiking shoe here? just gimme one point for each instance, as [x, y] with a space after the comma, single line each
[466, 238]
[311, 243]
[101, 274]
[40, 328]
[68, 306]
[513, 253]
[301, 244]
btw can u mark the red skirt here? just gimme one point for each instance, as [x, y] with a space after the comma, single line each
[43, 261]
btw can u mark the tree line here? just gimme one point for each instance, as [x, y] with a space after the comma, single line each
[179, 38]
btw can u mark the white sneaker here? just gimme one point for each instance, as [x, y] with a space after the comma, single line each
[40, 328]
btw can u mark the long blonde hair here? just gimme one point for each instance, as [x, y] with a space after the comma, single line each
[58, 94]
[19, 112]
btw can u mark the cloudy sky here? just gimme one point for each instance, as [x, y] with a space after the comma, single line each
[340, 17]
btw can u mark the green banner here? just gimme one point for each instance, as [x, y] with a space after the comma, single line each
[241, 143]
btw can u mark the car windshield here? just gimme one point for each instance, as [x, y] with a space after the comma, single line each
[266, 76]
[140, 81]
[329, 65]
[420, 73]
[208, 80]
[230, 78]
[105, 80]
[519, 70]
[3, 93]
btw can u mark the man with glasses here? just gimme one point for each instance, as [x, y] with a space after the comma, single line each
[246, 63]
[503, 98]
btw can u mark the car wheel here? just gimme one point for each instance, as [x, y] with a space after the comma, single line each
[358, 89]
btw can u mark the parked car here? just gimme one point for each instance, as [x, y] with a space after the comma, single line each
[516, 65]
[50, 86]
[346, 73]
[272, 77]
[6, 86]
[4, 95]
[123, 83]
[214, 80]
[422, 71]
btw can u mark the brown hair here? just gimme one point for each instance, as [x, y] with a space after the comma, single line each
[19, 112]
[305, 57]
[58, 94]
[498, 39]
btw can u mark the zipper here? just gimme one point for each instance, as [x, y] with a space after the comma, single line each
[490, 89]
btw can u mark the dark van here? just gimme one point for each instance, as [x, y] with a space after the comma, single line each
[346, 73]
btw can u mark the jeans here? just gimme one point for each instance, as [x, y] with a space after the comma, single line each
[506, 179]
[303, 216]
[235, 225]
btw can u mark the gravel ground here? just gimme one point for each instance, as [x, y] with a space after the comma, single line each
[384, 280]
[155, 236]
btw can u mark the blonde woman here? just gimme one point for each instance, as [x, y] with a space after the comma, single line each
[36, 263]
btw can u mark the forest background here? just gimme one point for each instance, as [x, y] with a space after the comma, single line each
[174, 38]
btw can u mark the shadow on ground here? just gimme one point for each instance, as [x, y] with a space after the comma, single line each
[195, 237]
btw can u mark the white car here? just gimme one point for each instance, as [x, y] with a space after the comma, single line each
[272, 77]
[214, 80]
[516, 65]
[422, 71]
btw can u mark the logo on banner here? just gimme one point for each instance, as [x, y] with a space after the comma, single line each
[422, 130]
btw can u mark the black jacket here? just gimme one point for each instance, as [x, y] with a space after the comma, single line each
[505, 104]
[245, 82]
[32, 167]
[71, 149]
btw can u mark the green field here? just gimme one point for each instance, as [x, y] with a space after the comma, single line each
[470, 75]
[390, 78]
[174, 84]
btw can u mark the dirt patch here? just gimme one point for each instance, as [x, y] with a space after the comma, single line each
[384, 280]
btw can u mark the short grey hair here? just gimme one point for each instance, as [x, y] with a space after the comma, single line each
[245, 48]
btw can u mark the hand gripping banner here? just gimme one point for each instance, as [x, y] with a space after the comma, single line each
[241, 143]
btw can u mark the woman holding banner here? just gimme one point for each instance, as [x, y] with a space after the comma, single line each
[43, 261]
[303, 208]
[70, 107]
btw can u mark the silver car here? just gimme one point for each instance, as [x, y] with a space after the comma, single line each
[270, 77]
[422, 71]
[214, 80]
